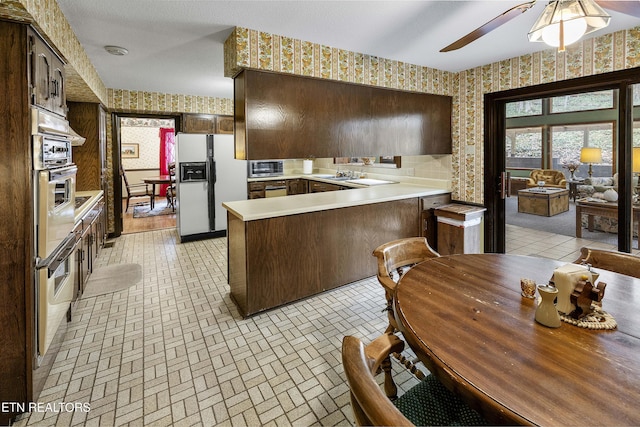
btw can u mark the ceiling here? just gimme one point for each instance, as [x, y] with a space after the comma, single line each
[176, 46]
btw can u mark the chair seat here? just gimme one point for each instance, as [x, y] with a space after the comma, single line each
[430, 404]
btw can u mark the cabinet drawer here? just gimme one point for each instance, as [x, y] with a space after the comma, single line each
[256, 186]
[435, 201]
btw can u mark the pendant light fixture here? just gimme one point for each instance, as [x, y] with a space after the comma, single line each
[564, 22]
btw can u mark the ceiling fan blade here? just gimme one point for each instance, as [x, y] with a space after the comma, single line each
[628, 7]
[489, 26]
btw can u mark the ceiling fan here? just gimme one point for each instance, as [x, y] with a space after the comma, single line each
[627, 7]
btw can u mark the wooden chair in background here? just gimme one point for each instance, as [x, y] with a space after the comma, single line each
[134, 190]
[171, 189]
[428, 403]
[618, 262]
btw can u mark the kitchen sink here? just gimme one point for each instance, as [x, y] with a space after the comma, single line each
[370, 181]
[332, 177]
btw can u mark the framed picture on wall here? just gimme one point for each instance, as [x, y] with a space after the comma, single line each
[130, 151]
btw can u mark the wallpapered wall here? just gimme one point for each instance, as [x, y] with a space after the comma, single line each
[145, 133]
[246, 48]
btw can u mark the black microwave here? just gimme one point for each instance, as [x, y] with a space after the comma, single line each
[259, 168]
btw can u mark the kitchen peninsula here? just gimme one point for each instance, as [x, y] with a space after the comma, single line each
[287, 248]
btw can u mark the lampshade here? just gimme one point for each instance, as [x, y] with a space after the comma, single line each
[636, 159]
[591, 155]
[563, 22]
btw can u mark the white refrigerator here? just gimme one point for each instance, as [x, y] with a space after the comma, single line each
[207, 174]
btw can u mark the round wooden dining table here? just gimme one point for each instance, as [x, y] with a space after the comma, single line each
[466, 320]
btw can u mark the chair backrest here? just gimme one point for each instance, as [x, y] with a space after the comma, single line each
[126, 181]
[397, 255]
[369, 403]
[618, 262]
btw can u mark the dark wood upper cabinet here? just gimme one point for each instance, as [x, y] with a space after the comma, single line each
[224, 124]
[207, 123]
[199, 123]
[286, 116]
[47, 76]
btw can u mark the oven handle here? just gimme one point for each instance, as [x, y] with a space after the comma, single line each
[62, 173]
[57, 257]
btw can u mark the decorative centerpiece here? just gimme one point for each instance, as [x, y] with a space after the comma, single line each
[579, 297]
[572, 166]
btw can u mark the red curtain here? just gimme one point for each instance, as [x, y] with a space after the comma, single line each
[167, 154]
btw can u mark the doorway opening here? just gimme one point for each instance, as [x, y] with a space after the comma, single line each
[547, 127]
[143, 155]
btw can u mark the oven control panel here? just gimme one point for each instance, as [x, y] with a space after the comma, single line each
[49, 152]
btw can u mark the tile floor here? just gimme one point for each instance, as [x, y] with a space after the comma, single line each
[173, 350]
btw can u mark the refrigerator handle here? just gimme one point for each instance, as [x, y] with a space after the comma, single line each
[211, 194]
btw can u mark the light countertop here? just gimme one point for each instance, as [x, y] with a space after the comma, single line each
[254, 209]
[94, 196]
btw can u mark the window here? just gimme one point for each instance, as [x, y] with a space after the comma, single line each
[524, 148]
[567, 141]
[524, 108]
[583, 102]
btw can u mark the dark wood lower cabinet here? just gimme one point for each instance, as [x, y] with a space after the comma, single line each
[429, 222]
[279, 260]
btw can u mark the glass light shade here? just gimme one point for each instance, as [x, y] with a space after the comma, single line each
[636, 159]
[573, 30]
[591, 155]
[563, 22]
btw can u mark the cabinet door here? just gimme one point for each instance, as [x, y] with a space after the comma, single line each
[89, 120]
[224, 125]
[428, 220]
[85, 259]
[256, 189]
[41, 72]
[296, 186]
[199, 123]
[57, 87]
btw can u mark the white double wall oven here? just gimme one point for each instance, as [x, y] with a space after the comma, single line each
[54, 177]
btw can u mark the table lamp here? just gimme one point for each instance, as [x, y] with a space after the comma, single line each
[590, 155]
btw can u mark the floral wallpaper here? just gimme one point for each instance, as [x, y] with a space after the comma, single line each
[139, 101]
[247, 48]
[83, 84]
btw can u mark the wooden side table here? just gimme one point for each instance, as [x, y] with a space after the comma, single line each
[573, 188]
[605, 209]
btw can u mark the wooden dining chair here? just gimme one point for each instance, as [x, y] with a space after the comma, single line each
[134, 190]
[618, 262]
[171, 189]
[394, 259]
[428, 403]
